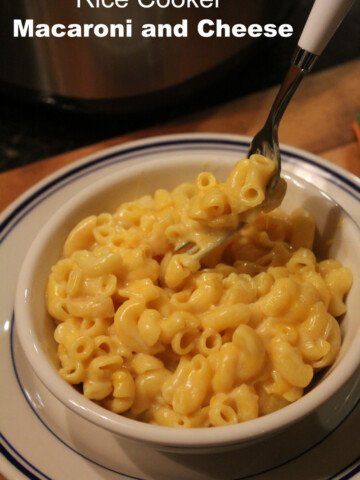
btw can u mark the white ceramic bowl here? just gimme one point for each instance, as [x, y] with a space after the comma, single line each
[35, 327]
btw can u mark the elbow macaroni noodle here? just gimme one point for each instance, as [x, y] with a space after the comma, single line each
[156, 336]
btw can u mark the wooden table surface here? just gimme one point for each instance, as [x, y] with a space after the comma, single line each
[319, 119]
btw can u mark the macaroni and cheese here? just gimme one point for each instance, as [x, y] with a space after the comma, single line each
[160, 337]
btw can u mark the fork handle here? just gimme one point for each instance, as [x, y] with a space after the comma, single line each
[323, 21]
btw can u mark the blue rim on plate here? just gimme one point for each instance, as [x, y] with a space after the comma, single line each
[41, 192]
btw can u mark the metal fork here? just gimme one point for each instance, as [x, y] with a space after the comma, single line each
[266, 140]
[324, 18]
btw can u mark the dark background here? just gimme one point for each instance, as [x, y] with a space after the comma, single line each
[30, 131]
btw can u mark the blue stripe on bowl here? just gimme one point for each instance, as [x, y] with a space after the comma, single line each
[351, 470]
[28, 400]
[18, 465]
[124, 154]
[43, 192]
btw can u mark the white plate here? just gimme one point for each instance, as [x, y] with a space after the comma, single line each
[37, 439]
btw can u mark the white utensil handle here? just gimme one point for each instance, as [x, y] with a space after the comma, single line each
[324, 19]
